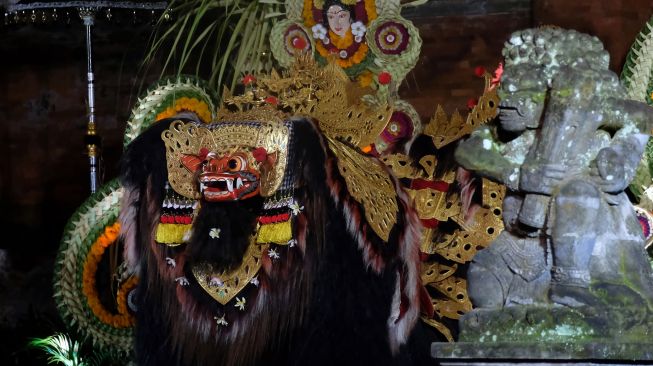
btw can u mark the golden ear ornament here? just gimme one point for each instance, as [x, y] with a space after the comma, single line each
[369, 183]
[324, 94]
[188, 138]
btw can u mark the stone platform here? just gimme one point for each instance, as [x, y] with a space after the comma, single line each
[542, 353]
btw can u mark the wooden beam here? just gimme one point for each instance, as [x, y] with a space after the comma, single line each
[446, 8]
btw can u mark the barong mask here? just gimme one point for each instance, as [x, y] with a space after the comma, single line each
[226, 162]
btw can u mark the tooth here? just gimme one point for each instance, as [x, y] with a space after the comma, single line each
[202, 186]
[239, 183]
[230, 185]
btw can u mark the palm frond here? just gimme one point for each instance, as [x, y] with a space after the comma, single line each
[61, 349]
[217, 40]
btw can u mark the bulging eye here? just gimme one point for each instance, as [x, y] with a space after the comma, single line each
[236, 163]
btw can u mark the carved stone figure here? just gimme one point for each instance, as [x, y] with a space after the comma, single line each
[567, 145]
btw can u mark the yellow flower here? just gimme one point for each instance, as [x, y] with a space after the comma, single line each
[365, 78]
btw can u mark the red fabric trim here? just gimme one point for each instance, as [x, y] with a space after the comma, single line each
[176, 219]
[430, 223]
[274, 218]
[423, 183]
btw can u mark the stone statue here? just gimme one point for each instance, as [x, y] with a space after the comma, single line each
[567, 145]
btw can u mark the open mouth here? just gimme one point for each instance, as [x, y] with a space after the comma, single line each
[222, 187]
[509, 110]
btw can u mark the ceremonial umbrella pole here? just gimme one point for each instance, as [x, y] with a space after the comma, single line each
[26, 11]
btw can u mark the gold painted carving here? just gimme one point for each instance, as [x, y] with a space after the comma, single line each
[456, 302]
[432, 204]
[401, 165]
[461, 245]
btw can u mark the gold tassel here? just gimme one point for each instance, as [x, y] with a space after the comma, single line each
[171, 234]
[278, 233]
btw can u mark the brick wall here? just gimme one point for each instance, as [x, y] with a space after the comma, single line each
[43, 105]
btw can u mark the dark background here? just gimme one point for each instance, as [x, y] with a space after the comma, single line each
[43, 163]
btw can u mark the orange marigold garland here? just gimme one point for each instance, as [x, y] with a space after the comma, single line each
[187, 104]
[123, 319]
[86, 238]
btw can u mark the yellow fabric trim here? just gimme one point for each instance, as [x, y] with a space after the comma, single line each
[278, 233]
[171, 233]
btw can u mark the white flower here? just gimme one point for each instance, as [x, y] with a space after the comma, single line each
[319, 32]
[358, 29]
[215, 282]
[171, 262]
[187, 235]
[220, 321]
[183, 281]
[292, 242]
[343, 54]
[272, 253]
[254, 281]
[296, 208]
[214, 233]
[240, 303]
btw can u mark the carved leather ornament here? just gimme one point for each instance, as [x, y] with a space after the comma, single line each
[370, 185]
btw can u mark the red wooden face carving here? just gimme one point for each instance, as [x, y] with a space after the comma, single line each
[227, 178]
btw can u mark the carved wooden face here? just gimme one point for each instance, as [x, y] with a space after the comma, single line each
[229, 177]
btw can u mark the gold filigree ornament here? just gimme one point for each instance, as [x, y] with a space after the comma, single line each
[225, 285]
[401, 165]
[461, 245]
[188, 138]
[341, 114]
[370, 185]
[324, 94]
[444, 131]
[432, 204]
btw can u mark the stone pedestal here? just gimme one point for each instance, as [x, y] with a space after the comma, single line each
[609, 352]
[621, 334]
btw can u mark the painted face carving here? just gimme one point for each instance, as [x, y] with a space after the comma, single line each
[339, 20]
[227, 178]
